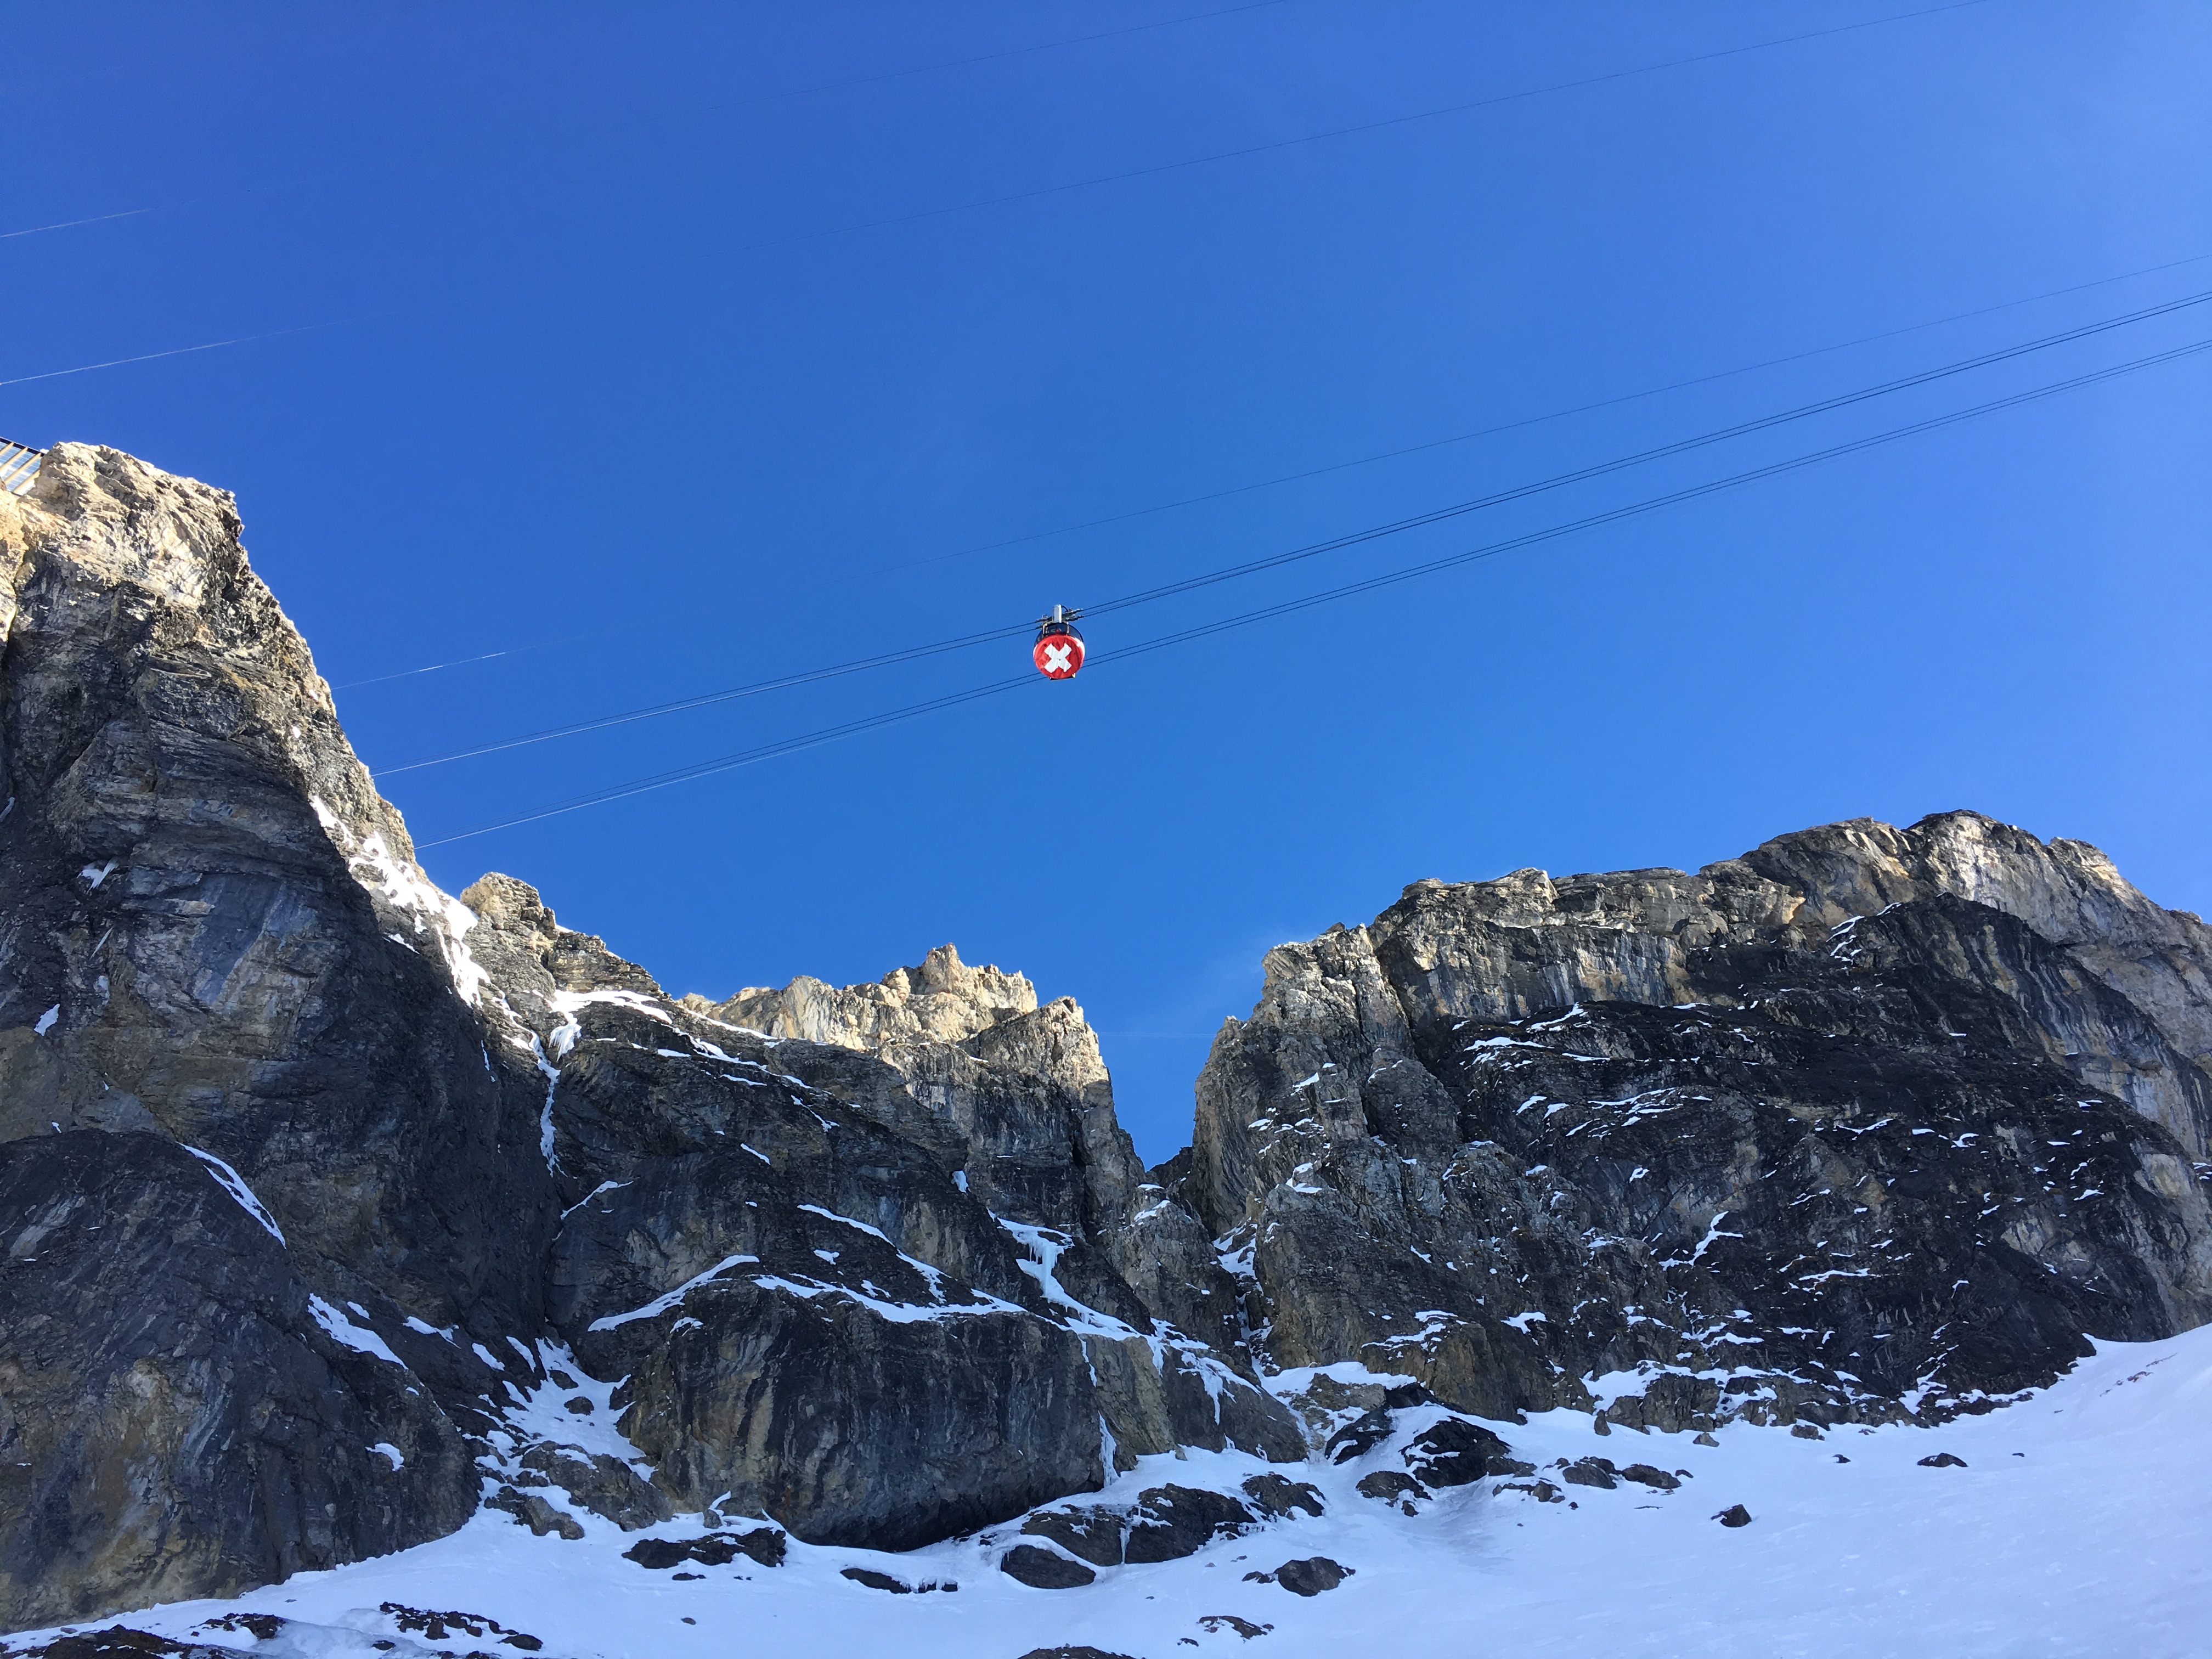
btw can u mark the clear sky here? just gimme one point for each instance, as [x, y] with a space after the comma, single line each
[669, 349]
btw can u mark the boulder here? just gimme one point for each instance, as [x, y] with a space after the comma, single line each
[1392, 1487]
[1454, 1453]
[1172, 1521]
[1043, 1569]
[1590, 1472]
[530, 1510]
[1276, 1496]
[1359, 1437]
[1311, 1576]
[870, 1578]
[1089, 1534]
[762, 1545]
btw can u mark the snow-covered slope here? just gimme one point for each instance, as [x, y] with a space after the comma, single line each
[2076, 1521]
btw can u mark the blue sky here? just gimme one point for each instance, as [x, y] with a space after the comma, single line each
[666, 350]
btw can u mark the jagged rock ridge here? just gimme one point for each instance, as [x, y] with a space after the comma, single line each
[332, 1207]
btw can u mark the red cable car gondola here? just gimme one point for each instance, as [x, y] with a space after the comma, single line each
[1058, 650]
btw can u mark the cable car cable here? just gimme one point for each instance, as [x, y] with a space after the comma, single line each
[1272, 561]
[705, 699]
[70, 224]
[1411, 573]
[1595, 520]
[179, 351]
[1522, 492]
[1532, 420]
[1369, 460]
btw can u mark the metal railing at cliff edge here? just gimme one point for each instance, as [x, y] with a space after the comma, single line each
[19, 466]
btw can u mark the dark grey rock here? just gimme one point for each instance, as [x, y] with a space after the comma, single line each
[1214, 1623]
[1043, 1569]
[1392, 1487]
[530, 1510]
[600, 1484]
[122, 1642]
[1943, 1461]
[1311, 1576]
[869, 1577]
[1734, 1515]
[1014, 1098]
[1358, 1438]
[221, 976]
[447, 1626]
[850, 1428]
[1276, 1496]
[145, 1320]
[1454, 1452]
[1091, 1534]
[1172, 1521]
[1542, 1490]
[1658, 1480]
[762, 1545]
[1590, 1472]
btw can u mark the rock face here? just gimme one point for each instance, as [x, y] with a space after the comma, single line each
[182, 1415]
[1868, 1123]
[213, 936]
[273, 1107]
[333, 1208]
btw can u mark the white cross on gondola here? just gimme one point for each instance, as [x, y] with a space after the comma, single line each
[1059, 648]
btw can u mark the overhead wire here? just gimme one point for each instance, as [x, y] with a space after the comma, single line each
[70, 224]
[1275, 561]
[1674, 498]
[1407, 573]
[1368, 460]
[1614, 402]
[179, 351]
[1522, 492]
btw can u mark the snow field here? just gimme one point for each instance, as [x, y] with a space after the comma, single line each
[2081, 1524]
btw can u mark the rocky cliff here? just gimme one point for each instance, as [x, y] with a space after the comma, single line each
[333, 1208]
[316, 1183]
[1870, 1121]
